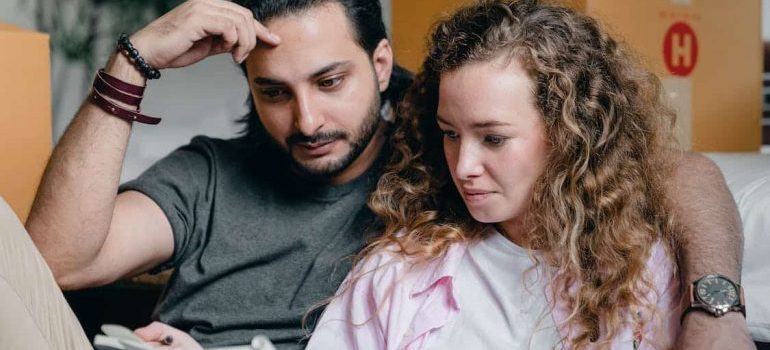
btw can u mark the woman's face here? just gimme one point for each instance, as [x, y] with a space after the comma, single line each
[494, 138]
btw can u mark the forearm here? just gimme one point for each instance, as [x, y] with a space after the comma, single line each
[710, 241]
[71, 215]
[711, 238]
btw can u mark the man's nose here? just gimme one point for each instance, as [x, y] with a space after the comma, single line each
[306, 118]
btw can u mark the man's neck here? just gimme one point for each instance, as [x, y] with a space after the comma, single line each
[365, 160]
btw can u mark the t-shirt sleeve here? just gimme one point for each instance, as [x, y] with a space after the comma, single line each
[181, 184]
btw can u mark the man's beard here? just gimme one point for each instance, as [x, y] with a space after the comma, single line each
[331, 169]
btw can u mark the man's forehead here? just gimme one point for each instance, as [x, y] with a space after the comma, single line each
[310, 41]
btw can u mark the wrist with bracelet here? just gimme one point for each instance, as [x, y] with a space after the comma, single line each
[715, 295]
[107, 89]
[127, 48]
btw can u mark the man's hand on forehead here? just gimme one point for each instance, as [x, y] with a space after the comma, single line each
[198, 29]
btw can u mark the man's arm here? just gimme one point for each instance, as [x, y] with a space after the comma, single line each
[711, 242]
[87, 233]
[76, 209]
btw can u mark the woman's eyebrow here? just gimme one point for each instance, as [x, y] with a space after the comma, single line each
[477, 125]
[489, 124]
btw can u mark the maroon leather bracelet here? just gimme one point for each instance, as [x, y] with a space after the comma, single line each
[120, 112]
[105, 89]
[132, 89]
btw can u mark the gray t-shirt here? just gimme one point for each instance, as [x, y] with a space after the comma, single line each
[255, 246]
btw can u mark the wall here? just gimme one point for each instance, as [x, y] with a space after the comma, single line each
[18, 13]
[411, 22]
[202, 99]
[189, 99]
[718, 102]
[766, 20]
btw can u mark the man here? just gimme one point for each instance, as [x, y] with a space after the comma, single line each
[257, 227]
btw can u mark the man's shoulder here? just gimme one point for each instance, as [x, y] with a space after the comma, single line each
[202, 160]
[236, 145]
[237, 151]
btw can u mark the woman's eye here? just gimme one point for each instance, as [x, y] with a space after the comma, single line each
[329, 83]
[495, 140]
[450, 134]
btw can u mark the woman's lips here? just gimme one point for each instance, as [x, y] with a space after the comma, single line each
[476, 196]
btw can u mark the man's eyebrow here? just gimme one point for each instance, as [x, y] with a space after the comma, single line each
[324, 70]
[267, 81]
[330, 67]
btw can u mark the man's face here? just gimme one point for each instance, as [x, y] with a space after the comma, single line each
[317, 92]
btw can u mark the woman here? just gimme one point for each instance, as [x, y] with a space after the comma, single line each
[524, 206]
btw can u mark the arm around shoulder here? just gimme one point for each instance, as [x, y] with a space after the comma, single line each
[711, 238]
[710, 241]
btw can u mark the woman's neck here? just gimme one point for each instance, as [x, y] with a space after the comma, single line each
[514, 231]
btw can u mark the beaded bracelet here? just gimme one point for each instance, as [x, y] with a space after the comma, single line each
[128, 49]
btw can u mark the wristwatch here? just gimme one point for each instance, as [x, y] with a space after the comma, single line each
[716, 295]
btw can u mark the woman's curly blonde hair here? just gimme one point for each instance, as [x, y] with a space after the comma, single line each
[599, 206]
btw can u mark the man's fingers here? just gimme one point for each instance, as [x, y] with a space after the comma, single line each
[245, 30]
[163, 336]
[237, 26]
[153, 332]
[246, 17]
[158, 333]
[222, 26]
[265, 34]
[261, 32]
[201, 28]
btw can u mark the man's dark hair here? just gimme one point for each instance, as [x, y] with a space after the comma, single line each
[366, 20]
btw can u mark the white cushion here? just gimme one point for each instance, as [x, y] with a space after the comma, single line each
[748, 177]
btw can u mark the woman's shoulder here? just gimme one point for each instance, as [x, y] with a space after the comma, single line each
[390, 265]
[662, 266]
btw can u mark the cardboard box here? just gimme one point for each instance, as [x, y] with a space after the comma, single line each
[708, 55]
[25, 119]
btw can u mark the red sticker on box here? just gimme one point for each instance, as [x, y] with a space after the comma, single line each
[680, 49]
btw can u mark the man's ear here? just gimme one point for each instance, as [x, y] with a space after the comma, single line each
[382, 59]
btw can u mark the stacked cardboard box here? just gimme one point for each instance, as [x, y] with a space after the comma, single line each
[25, 119]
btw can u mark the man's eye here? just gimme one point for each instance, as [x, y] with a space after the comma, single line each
[273, 93]
[495, 140]
[330, 83]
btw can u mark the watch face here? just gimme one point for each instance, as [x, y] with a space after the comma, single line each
[717, 291]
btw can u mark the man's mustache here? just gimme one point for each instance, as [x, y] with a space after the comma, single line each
[321, 137]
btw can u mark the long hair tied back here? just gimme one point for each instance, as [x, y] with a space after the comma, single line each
[599, 206]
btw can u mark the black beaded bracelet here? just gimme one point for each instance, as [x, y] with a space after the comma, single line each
[128, 49]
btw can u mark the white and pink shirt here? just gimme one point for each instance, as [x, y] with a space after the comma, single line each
[455, 301]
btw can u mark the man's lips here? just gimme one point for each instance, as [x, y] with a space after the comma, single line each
[317, 149]
[315, 145]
